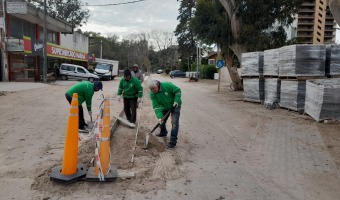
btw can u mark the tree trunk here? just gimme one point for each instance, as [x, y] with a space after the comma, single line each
[229, 6]
[235, 78]
[334, 6]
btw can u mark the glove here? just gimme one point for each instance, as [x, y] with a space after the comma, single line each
[175, 104]
[139, 100]
[119, 98]
[160, 121]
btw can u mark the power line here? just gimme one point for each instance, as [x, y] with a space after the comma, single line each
[116, 4]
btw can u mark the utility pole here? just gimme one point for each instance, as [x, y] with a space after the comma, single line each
[101, 48]
[44, 43]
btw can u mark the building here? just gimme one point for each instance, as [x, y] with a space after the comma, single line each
[315, 23]
[22, 36]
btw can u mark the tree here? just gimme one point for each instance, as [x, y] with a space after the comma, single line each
[334, 6]
[212, 25]
[67, 10]
[168, 50]
[254, 22]
[185, 37]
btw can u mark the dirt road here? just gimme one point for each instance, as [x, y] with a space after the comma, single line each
[227, 149]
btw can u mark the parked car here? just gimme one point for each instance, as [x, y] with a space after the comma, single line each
[70, 71]
[159, 71]
[177, 73]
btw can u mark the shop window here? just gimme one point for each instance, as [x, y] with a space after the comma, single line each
[52, 37]
[29, 29]
[16, 28]
[22, 67]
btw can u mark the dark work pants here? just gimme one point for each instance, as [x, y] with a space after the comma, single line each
[174, 125]
[130, 109]
[81, 121]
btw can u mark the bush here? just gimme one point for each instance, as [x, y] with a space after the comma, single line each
[208, 71]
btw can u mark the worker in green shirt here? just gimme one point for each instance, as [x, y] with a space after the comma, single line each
[85, 91]
[165, 97]
[131, 89]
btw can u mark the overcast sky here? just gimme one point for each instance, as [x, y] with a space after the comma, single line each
[136, 17]
[131, 18]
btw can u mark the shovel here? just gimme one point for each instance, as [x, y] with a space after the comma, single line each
[147, 136]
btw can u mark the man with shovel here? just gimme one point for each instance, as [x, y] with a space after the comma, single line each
[166, 97]
[85, 91]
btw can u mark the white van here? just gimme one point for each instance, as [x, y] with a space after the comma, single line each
[70, 71]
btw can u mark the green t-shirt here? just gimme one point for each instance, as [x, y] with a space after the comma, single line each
[85, 91]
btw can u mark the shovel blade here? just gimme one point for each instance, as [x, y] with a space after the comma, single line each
[146, 141]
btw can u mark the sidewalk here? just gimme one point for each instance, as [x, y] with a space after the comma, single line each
[17, 86]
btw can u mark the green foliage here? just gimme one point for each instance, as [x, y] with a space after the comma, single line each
[263, 22]
[211, 24]
[185, 37]
[69, 10]
[208, 71]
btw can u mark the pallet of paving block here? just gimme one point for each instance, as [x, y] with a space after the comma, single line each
[301, 111]
[301, 78]
[253, 101]
[253, 77]
[333, 76]
[270, 76]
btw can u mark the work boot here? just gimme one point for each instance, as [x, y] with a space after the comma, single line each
[161, 135]
[170, 146]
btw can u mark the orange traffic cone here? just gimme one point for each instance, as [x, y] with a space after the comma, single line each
[70, 171]
[103, 171]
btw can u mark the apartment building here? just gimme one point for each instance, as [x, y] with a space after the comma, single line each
[315, 23]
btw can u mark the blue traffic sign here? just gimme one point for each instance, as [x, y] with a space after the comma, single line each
[219, 64]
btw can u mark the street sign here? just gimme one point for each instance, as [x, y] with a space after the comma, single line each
[219, 64]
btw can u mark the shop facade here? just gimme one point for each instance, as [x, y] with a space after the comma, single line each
[21, 43]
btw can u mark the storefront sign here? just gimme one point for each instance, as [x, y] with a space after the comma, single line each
[54, 50]
[16, 7]
[37, 47]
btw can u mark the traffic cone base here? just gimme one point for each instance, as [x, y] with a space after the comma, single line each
[93, 177]
[66, 179]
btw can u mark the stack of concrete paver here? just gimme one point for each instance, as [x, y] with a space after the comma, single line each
[333, 59]
[271, 73]
[299, 63]
[292, 95]
[271, 62]
[302, 60]
[252, 64]
[253, 90]
[252, 72]
[323, 99]
[272, 91]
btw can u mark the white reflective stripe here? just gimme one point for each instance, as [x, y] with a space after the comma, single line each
[74, 98]
[73, 106]
[73, 115]
[104, 139]
[107, 114]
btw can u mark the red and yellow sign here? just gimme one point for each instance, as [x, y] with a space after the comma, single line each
[57, 51]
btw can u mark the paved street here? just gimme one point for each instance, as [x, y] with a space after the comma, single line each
[228, 149]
